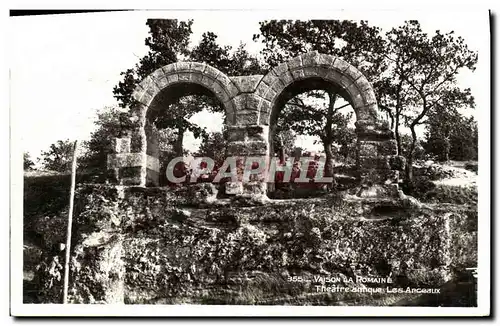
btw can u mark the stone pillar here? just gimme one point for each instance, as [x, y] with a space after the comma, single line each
[133, 160]
[378, 161]
[249, 144]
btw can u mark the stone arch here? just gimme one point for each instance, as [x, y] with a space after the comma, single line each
[350, 81]
[135, 156]
[188, 73]
[376, 148]
[249, 103]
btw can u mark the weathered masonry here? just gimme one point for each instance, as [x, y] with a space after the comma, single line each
[252, 104]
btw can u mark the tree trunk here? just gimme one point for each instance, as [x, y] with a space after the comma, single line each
[328, 139]
[411, 154]
[329, 158]
[446, 154]
[397, 115]
[178, 142]
[396, 134]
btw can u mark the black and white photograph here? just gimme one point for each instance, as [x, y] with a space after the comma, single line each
[250, 163]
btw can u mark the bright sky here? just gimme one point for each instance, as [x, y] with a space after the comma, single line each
[63, 67]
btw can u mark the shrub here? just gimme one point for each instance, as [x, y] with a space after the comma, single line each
[419, 186]
[451, 195]
[471, 166]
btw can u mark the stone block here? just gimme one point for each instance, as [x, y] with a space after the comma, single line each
[220, 92]
[232, 90]
[340, 64]
[339, 78]
[286, 78]
[198, 67]
[137, 93]
[236, 133]
[234, 188]
[264, 118]
[207, 81]
[252, 102]
[363, 83]
[310, 71]
[211, 72]
[247, 84]
[121, 145]
[368, 113]
[152, 163]
[374, 135]
[157, 75]
[270, 94]
[367, 149]
[170, 69]
[369, 97]
[295, 63]
[173, 78]
[184, 76]
[261, 89]
[239, 102]
[152, 178]
[126, 160]
[247, 118]
[197, 78]
[354, 73]
[297, 74]
[325, 59]
[264, 106]
[149, 84]
[183, 66]
[277, 86]
[256, 131]
[254, 187]
[357, 100]
[384, 147]
[247, 148]
[280, 69]
[375, 162]
[228, 85]
[310, 59]
[270, 78]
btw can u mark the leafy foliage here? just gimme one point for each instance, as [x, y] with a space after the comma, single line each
[357, 43]
[59, 156]
[213, 146]
[451, 136]
[424, 73]
[28, 164]
[168, 43]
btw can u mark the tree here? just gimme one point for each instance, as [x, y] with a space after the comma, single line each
[28, 163]
[327, 123]
[464, 142]
[283, 141]
[214, 146]
[450, 135]
[168, 43]
[412, 73]
[425, 70]
[59, 156]
[357, 43]
[109, 124]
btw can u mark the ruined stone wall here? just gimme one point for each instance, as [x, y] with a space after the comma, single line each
[150, 245]
[250, 103]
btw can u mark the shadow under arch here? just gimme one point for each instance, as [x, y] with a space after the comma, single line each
[163, 87]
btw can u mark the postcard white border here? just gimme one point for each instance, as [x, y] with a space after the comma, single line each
[20, 309]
